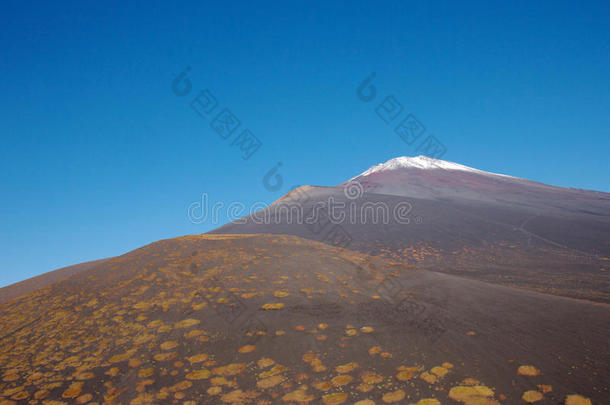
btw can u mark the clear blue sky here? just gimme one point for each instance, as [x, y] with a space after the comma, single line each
[99, 156]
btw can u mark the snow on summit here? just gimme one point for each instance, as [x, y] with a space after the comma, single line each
[422, 162]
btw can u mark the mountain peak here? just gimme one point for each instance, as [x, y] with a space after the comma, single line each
[424, 163]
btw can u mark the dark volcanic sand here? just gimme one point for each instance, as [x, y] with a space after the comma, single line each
[185, 320]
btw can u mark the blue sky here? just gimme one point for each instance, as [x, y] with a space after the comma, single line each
[99, 156]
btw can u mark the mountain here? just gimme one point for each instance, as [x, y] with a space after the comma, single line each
[276, 319]
[396, 287]
[450, 218]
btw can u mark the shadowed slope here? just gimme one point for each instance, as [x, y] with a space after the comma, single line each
[267, 319]
[32, 284]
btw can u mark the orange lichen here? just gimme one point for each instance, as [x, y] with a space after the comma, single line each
[528, 371]
[341, 380]
[394, 396]
[271, 306]
[198, 375]
[247, 349]
[270, 381]
[544, 388]
[73, 391]
[473, 395]
[333, 399]
[197, 358]
[168, 345]
[323, 386]
[229, 370]
[532, 396]
[186, 323]
[577, 400]
[346, 368]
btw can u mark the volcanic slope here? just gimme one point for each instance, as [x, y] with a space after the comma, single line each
[32, 284]
[275, 319]
[502, 230]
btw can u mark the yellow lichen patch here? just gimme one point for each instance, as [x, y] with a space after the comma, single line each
[280, 294]
[374, 350]
[471, 333]
[222, 381]
[276, 305]
[333, 399]
[351, 332]
[199, 306]
[439, 371]
[247, 349]
[164, 356]
[231, 369]
[272, 371]
[407, 373]
[194, 333]
[112, 372]
[11, 377]
[365, 402]
[470, 381]
[429, 401]
[133, 363]
[364, 387]
[429, 378]
[369, 377]
[83, 399]
[309, 357]
[198, 358]
[366, 329]
[168, 345]
[21, 395]
[577, 400]
[180, 386]
[346, 368]
[322, 326]
[41, 394]
[145, 372]
[155, 323]
[249, 295]
[544, 388]
[186, 323]
[238, 397]
[299, 395]
[532, 396]
[473, 395]
[142, 399]
[341, 380]
[214, 390]
[394, 396]
[323, 386]
[199, 375]
[265, 362]
[120, 357]
[84, 376]
[73, 391]
[270, 381]
[528, 371]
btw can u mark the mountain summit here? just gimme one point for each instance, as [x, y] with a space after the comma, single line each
[422, 162]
